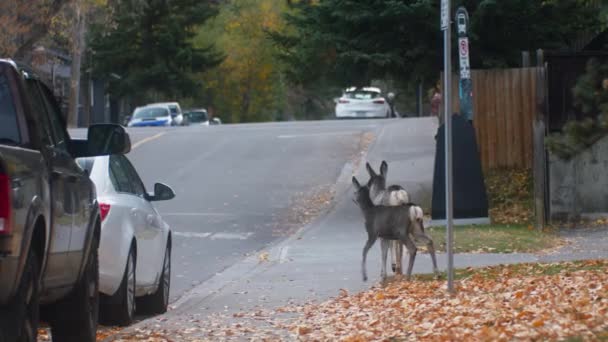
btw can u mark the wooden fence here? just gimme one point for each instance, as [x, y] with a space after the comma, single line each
[505, 103]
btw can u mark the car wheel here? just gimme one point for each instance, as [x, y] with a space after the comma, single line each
[74, 319]
[119, 309]
[157, 302]
[19, 320]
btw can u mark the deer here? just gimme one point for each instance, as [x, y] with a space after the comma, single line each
[388, 223]
[396, 195]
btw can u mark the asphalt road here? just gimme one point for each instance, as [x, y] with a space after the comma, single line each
[236, 185]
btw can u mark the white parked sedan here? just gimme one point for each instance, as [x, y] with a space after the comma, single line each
[135, 245]
[362, 103]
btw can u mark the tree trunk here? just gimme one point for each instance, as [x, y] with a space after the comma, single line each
[77, 50]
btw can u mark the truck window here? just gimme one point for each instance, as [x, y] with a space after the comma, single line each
[38, 108]
[57, 123]
[9, 130]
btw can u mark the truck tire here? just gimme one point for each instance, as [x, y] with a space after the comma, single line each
[157, 302]
[19, 320]
[75, 317]
[119, 309]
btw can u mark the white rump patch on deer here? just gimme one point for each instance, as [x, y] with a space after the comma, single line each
[399, 197]
[391, 198]
[416, 213]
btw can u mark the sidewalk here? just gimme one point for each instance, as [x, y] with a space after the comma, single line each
[325, 256]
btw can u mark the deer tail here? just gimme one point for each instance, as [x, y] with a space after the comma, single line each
[416, 213]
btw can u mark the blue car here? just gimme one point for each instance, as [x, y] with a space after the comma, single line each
[151, 116]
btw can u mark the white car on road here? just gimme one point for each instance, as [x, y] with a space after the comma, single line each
[176, 112]
[362, 103]
[135, 244]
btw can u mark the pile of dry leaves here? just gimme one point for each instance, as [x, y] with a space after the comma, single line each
[510, 195]
[502, 303]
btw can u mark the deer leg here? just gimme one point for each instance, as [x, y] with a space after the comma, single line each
[370, 242]
[399, 253]
[392, 250]
[422, 237]
[411, 248]
[384, 244]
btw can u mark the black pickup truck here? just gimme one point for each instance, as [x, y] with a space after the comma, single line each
[49, 216]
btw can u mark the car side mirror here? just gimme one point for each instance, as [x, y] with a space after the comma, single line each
[102, 140]
[162, 192]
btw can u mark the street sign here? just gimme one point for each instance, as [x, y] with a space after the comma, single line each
[463, 48]
[445, 14]
[465, 84]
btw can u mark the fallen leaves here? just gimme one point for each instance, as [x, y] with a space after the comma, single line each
[263, 257]
[510, 195]
[303, 208]
[499, 303]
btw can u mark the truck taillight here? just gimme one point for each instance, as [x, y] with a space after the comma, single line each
[379, 101]
[343, 101]
[104, 209]
[5, 204]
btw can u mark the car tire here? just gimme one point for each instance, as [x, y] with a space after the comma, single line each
[157, 302]
[74, 319]
[119, 309]
[19, 320]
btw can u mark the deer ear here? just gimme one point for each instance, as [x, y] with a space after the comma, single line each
[356, 183]
[383, 168]
[371, 171]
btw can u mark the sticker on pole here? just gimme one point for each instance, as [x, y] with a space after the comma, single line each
[445, 15]
[463, 48]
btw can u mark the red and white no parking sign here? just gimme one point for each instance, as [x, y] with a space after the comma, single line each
[464, 47]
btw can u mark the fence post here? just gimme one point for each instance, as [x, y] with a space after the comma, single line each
[540, 161]
[525, 59]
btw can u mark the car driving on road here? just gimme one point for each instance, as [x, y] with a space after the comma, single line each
[135, 244]
[150, 116]
[362, 103]
[176, 113]
[49, 215]
[197, 117]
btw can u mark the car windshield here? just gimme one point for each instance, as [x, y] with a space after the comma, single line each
[198, 116]
[150, 112]
[9, 132]
[362, 95]
[173, 109]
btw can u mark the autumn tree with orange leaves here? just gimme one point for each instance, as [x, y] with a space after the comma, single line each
[23, 23]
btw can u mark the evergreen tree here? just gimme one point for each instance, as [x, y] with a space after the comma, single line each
[591, 97]
[148, 45]
[349, 42]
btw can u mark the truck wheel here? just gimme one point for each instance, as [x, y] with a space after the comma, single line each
[19, 320]
[157, 302]
[119, 309]
[75, 317]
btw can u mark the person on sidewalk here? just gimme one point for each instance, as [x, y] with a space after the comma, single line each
[436, 103]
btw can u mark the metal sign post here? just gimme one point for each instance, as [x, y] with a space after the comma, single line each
[447, 87]
[465, 84]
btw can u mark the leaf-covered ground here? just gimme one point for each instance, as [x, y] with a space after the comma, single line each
[526, 302]
[510, 195]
